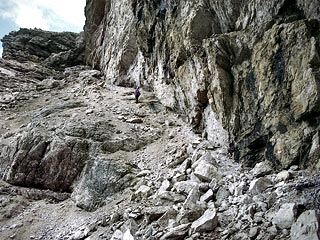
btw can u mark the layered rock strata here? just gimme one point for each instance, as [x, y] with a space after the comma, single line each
[53, 49]
[253, 66]
[82, 160]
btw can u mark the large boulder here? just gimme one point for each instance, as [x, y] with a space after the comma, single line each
[206, 171]
[285, 216]
[306, 227]
[258, 185]
[101, 178]
[207, 222]
[36, 159]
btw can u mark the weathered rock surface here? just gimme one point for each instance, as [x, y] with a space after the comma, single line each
[207, 222]
[36, 160]
[250, 66]
[100, 179]
[286, 215]
[306, 226]
[75, 138]
[54, 49]
[259, 185]
[220, 82]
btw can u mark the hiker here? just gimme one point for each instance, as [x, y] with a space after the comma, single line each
[137, 94]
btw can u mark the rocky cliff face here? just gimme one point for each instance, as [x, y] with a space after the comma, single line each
[54, 49]
[251, 65]
[80, 159]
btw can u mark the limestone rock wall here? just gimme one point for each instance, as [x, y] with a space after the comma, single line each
[253, 64]
[54, 49]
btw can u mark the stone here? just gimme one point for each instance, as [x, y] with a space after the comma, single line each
[293, 168]
[191, 213]
[101, 178]
[239, 188]
[179, 232]
[205, 171]
[142, 192]
[192, 197]
[89, 76]
[204, 186]
[132, 214]
[259, 185]
[154, 213]
[169, 215]
[89, 111]
[222, 194]
[204, 157]
[144, 173]
[306, 227]
[165, 186]
[207, 222]
[117, 235]
[83, 232]
[179, 177]
[207, 196]
[285, 217]
[127, 235]
[184, 186]
[253, 232]
[272, 230]
[283, 176]
[171, 196]
[179, 158]
[261, 169]
[134, 120]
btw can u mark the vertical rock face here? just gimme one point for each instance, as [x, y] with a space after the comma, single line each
[253, 65]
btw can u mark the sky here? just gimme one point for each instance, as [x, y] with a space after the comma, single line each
[52, 15]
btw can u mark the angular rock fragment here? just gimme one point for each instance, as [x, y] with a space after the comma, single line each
[285, 216]
[154, 213]
[261, 169]
[207, 222]
[206, 171]
[185, 186]
[257, 186]
[192, 197]
[177, 233]
[100, 179]
[283, 176]
[207, 196]
[134, 120]
[307, 226]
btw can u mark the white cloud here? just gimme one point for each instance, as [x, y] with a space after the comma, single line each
[52, 15]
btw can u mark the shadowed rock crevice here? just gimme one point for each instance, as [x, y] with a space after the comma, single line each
[290, 11]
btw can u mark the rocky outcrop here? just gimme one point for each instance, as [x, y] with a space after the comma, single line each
[82, 160]
[54, 49]
[35, 160]
[101, 179]
[64, 142]
[252, 65]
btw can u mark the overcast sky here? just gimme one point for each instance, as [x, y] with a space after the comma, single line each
[52, 15]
